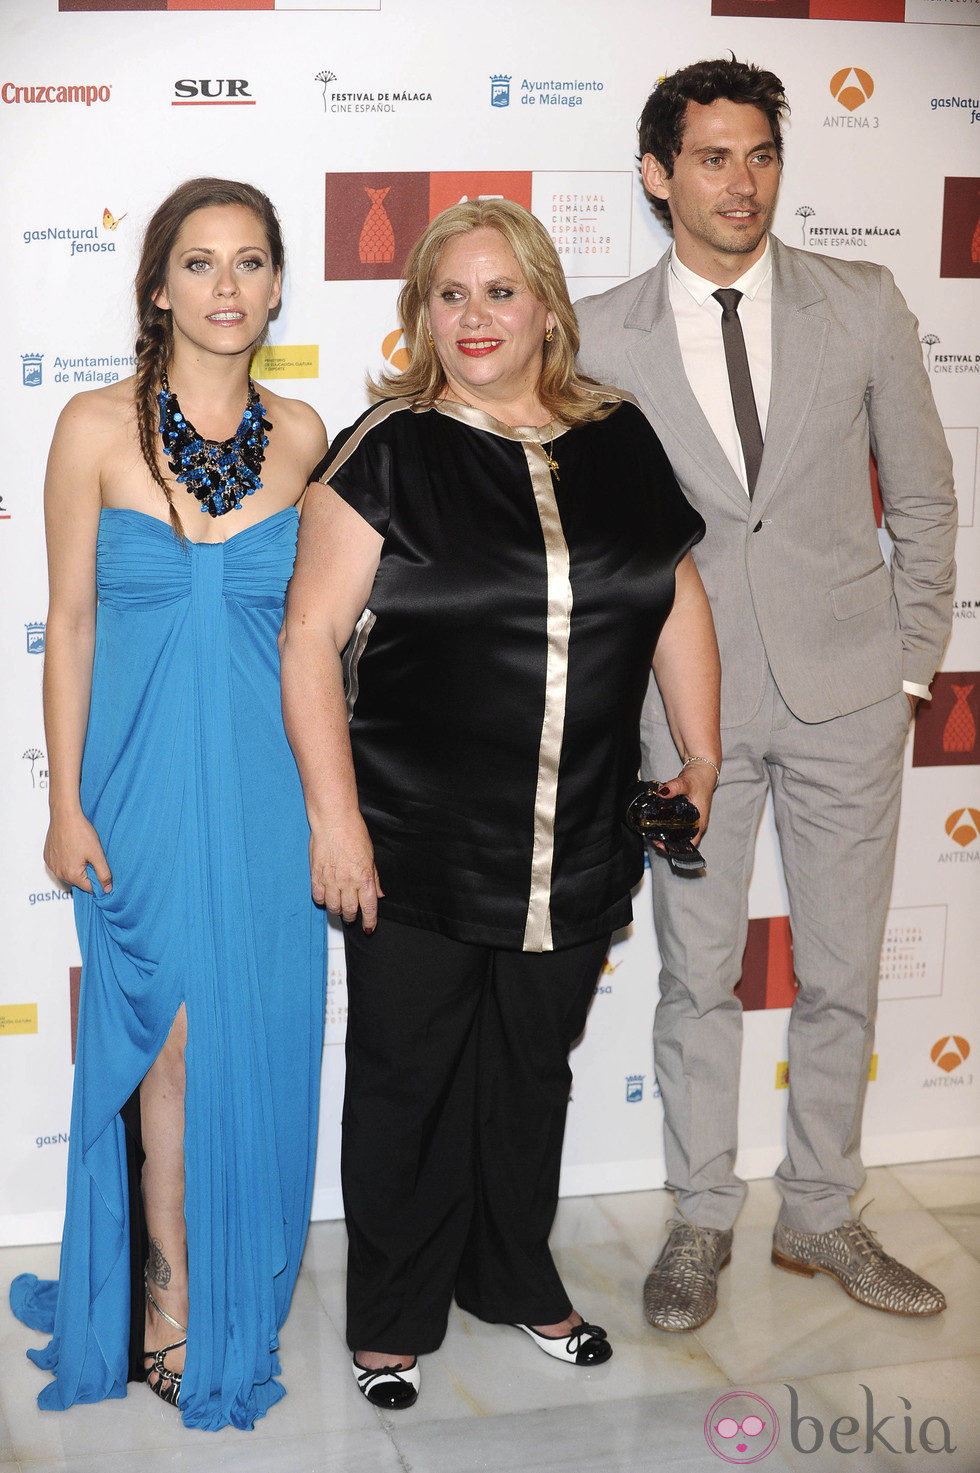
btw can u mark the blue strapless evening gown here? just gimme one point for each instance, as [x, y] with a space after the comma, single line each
[192, 788]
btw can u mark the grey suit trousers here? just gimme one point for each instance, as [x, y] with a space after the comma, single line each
[836, 789]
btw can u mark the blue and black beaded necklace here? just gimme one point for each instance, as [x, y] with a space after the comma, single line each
[219, 473]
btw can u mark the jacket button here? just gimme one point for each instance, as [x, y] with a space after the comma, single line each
[757, 527]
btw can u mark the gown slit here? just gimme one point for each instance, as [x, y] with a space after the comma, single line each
[140, 1224]
[139, 1242]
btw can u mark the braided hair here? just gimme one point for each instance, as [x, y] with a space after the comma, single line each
[154, 329]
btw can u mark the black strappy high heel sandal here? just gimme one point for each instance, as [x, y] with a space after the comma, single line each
[171, 1392]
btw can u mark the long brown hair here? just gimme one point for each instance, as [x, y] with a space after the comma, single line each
[154, 330]
[562, 391]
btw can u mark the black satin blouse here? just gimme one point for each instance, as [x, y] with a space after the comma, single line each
[496, 677]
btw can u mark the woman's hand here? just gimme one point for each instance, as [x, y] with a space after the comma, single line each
[342, 872]
[697, 782]
[70, 845]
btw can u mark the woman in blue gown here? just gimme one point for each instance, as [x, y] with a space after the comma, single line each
[177, 816]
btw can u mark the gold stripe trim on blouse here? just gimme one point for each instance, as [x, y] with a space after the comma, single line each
[478, 419]
[537, 929]
[377, 415]
[350, 659]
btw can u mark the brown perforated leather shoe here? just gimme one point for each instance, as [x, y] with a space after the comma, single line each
[852, 1255]
[681, 1290]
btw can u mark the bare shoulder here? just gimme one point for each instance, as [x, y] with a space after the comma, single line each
[100, 412]
[93, 428]
[299, 420]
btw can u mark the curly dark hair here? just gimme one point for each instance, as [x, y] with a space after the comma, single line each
[661, 126]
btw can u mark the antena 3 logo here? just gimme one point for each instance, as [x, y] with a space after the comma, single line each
[852, 87]
[963, 827]
[88, 94]
[949, 1054]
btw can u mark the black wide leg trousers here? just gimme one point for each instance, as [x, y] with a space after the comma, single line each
[454, 1117]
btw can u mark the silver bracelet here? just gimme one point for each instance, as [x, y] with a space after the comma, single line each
[708, 763]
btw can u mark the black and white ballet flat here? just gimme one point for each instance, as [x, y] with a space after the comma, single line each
[585, 1346]
[390, 1387]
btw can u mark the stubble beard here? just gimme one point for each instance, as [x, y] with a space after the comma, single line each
[737, 242]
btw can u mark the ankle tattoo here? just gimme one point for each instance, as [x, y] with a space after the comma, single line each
[158, 1270]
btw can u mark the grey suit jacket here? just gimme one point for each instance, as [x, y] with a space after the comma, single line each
[795, 576]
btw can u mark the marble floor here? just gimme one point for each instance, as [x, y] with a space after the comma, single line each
[490, 1401]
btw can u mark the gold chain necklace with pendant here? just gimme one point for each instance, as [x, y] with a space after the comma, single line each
[546, 452]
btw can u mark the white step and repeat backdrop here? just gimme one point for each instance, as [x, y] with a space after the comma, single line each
[362, 120]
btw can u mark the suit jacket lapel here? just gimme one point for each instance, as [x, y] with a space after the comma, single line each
[799, 336]
[656, 358]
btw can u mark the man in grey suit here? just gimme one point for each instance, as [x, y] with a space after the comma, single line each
[769, 373]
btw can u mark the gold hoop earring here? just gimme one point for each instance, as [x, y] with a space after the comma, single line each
[431, 339]
[549, 334]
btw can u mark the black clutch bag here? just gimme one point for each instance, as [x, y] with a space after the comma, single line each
[671, 822]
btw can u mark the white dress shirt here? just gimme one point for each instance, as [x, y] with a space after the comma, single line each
[698, 318]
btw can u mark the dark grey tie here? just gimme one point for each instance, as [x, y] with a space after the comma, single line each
[743, 399]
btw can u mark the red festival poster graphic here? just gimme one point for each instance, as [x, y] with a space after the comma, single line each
[74, 986]
[890, 10]
[447, 189]
[893, 10]
[771, 9]
[372, 221]
[947, 727]
[876, 493]
[960, 255]
[767, 979]
[74, 5]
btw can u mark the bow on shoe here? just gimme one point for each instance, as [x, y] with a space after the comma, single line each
[586, 1345]
[391, 1387]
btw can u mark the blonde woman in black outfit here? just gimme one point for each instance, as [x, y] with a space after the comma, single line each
[491, 558]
